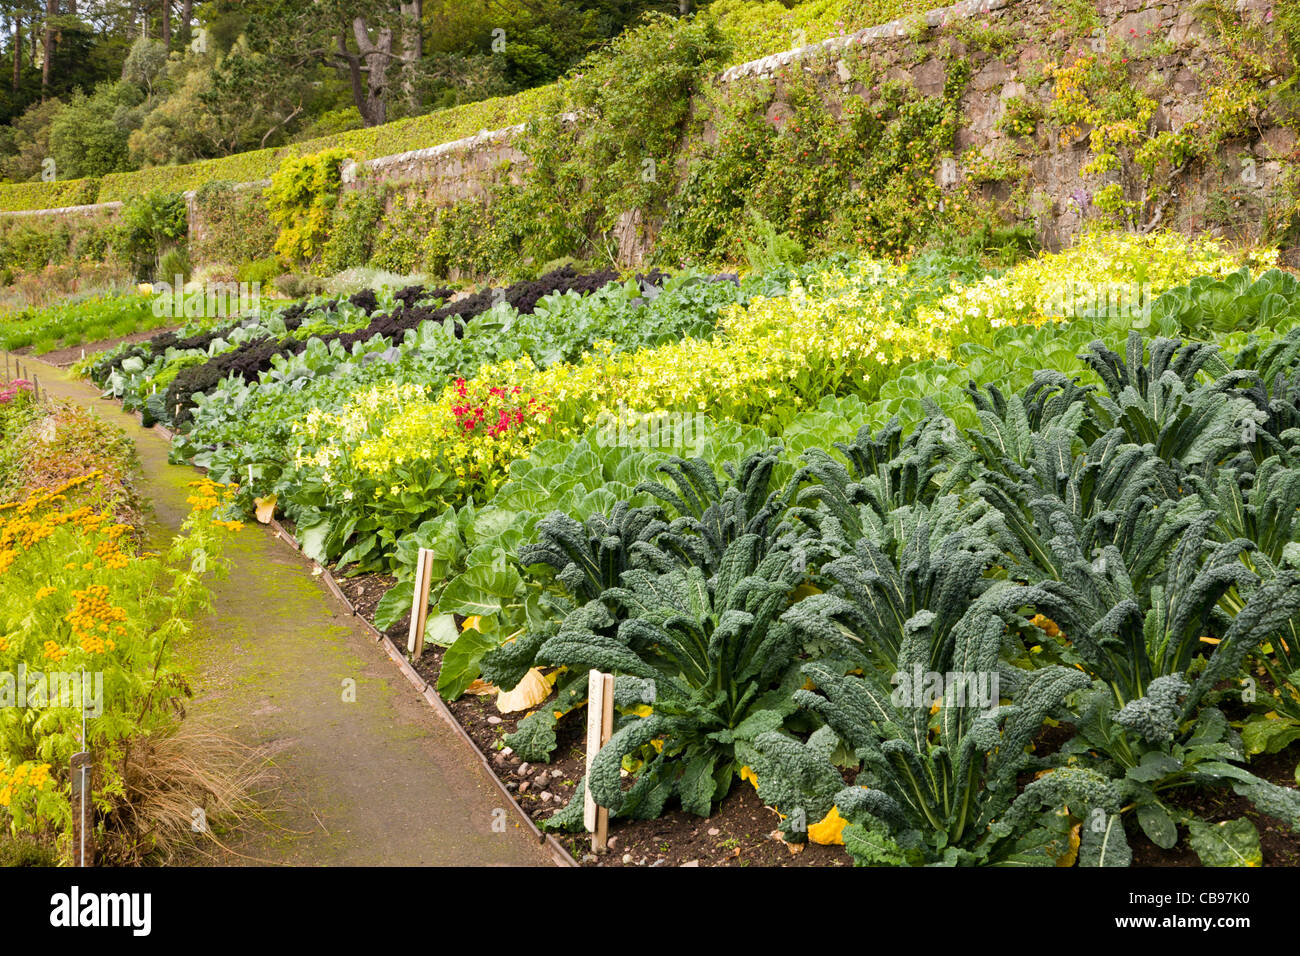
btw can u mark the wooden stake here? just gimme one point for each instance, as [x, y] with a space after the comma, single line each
[83, 814]
[420, 602]
[600, 727]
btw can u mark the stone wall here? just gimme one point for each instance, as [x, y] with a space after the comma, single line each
[1232, 194]
[1246, 174]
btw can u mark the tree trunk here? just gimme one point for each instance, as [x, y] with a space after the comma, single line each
[51, 11]
[187, 17]
[683, 7]
[18, 50]
[376, 54]
[412, 50]
[354, 75]
[165, 12]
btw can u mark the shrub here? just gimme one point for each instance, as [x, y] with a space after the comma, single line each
[259, 271]
[301, 201]
[174, 262]
[151, 224]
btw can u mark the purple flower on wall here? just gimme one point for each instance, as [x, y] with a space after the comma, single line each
[1082, 198]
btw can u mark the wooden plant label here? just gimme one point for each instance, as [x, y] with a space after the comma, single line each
[600, 727]
[420, 602]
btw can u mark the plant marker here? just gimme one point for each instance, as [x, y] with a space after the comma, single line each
[600, 727]
[80, 776]
[420, 602]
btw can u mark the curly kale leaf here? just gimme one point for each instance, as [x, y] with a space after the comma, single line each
[1155, 716]
[534, 739]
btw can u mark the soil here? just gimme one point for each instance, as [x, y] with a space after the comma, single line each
[65, 358]
[1280, 847]
[740, 832]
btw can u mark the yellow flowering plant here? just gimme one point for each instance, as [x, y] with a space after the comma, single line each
[86, 630]
[1109, 279]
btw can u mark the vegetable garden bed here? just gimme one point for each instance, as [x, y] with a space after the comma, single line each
[763, 503]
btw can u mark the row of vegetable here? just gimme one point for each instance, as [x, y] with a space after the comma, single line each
[770, 505]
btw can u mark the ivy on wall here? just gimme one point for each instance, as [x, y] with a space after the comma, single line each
[234, 225]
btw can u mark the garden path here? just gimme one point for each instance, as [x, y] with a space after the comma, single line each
[378, 781]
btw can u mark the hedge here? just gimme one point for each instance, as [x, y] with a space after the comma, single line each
[19, 197]
[417, 132]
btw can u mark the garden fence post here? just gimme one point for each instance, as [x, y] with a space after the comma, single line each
[420, 602]
[83, 830]
[600, 726]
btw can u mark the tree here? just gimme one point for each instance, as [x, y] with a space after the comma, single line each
[51, 12]
[145, 64]
[412, 50]
[354, 38]
[90, 136]
[30, 142]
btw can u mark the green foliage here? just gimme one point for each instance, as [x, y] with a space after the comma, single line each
[713, 654]
[259, 271]
[234, 225]
[352, 239]
[1237, 302]
[152, 224]
[633, 102]
[757, 29]
[301, 200]
[30, 243]
[16, 197]
[770, 249]
[863, 180]
[88, 138]
[86, 321]
[416, 132]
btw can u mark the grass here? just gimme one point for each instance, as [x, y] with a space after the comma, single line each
[91, 320]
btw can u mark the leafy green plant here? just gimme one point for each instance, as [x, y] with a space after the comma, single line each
[152, 224]
[938, 783]
[718, 663]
